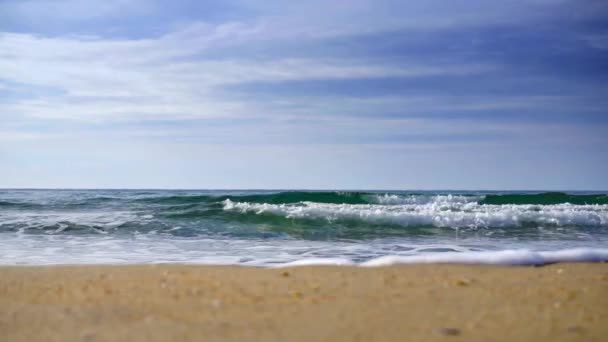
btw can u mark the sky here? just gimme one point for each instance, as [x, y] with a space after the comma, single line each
[332, 94]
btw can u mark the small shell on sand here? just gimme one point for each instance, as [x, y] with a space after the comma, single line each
[463, 282]
[575, 329]
[296, 294]
[88, 336]
[448, 331]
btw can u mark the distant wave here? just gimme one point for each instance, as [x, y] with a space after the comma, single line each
[329, 197]
[272, 198]
[545, 198]
[16, 205]
[346, 197]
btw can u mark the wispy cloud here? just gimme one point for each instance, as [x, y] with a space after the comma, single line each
[71, 10]
[162, 77]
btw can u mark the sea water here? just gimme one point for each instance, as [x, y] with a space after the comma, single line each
[277, 228]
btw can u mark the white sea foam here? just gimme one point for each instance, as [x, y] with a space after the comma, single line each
[453, 214]
[43, 249]
[506, 257]
[99, 221]
[392, 199]
[318, 262]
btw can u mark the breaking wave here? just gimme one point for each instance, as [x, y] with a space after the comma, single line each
[441, 214]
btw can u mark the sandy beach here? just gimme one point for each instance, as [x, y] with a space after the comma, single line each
[562, 302]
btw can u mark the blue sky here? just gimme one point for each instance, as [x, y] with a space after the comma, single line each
[357, 94]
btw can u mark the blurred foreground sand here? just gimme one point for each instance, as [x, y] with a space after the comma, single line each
[562, 302]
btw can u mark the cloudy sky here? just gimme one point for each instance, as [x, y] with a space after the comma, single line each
[332, 94]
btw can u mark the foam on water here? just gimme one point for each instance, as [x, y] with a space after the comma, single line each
[506, 257]
[393, 199]
[151, 249]
[57, 222]
[442, 213]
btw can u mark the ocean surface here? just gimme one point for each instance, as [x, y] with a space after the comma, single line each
[275, 228]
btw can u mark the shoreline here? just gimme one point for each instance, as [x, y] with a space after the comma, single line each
[424, 302]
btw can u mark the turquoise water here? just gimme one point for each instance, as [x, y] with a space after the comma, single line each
[261, 228]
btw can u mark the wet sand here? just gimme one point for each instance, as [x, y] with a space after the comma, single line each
[562, 302]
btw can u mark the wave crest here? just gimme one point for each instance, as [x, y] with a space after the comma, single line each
[437, 214]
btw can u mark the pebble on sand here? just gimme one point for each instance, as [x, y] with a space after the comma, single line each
[463, 282]
[448, 331]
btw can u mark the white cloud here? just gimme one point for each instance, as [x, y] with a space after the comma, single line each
[97, 79]
[169, 76]
[73, 10]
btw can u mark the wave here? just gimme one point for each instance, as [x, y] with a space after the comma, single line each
[81, 222]
[388, 198]
[292, 197]
[305, 214]
[272, 198]
[19, 205]
[266, 228]
[504, 257]
[546, 198]
[436, 214]
[154, 249]
[394, 199]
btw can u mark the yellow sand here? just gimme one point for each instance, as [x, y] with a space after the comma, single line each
[564, 302]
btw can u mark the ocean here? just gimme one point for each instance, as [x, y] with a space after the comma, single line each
[277, 228]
